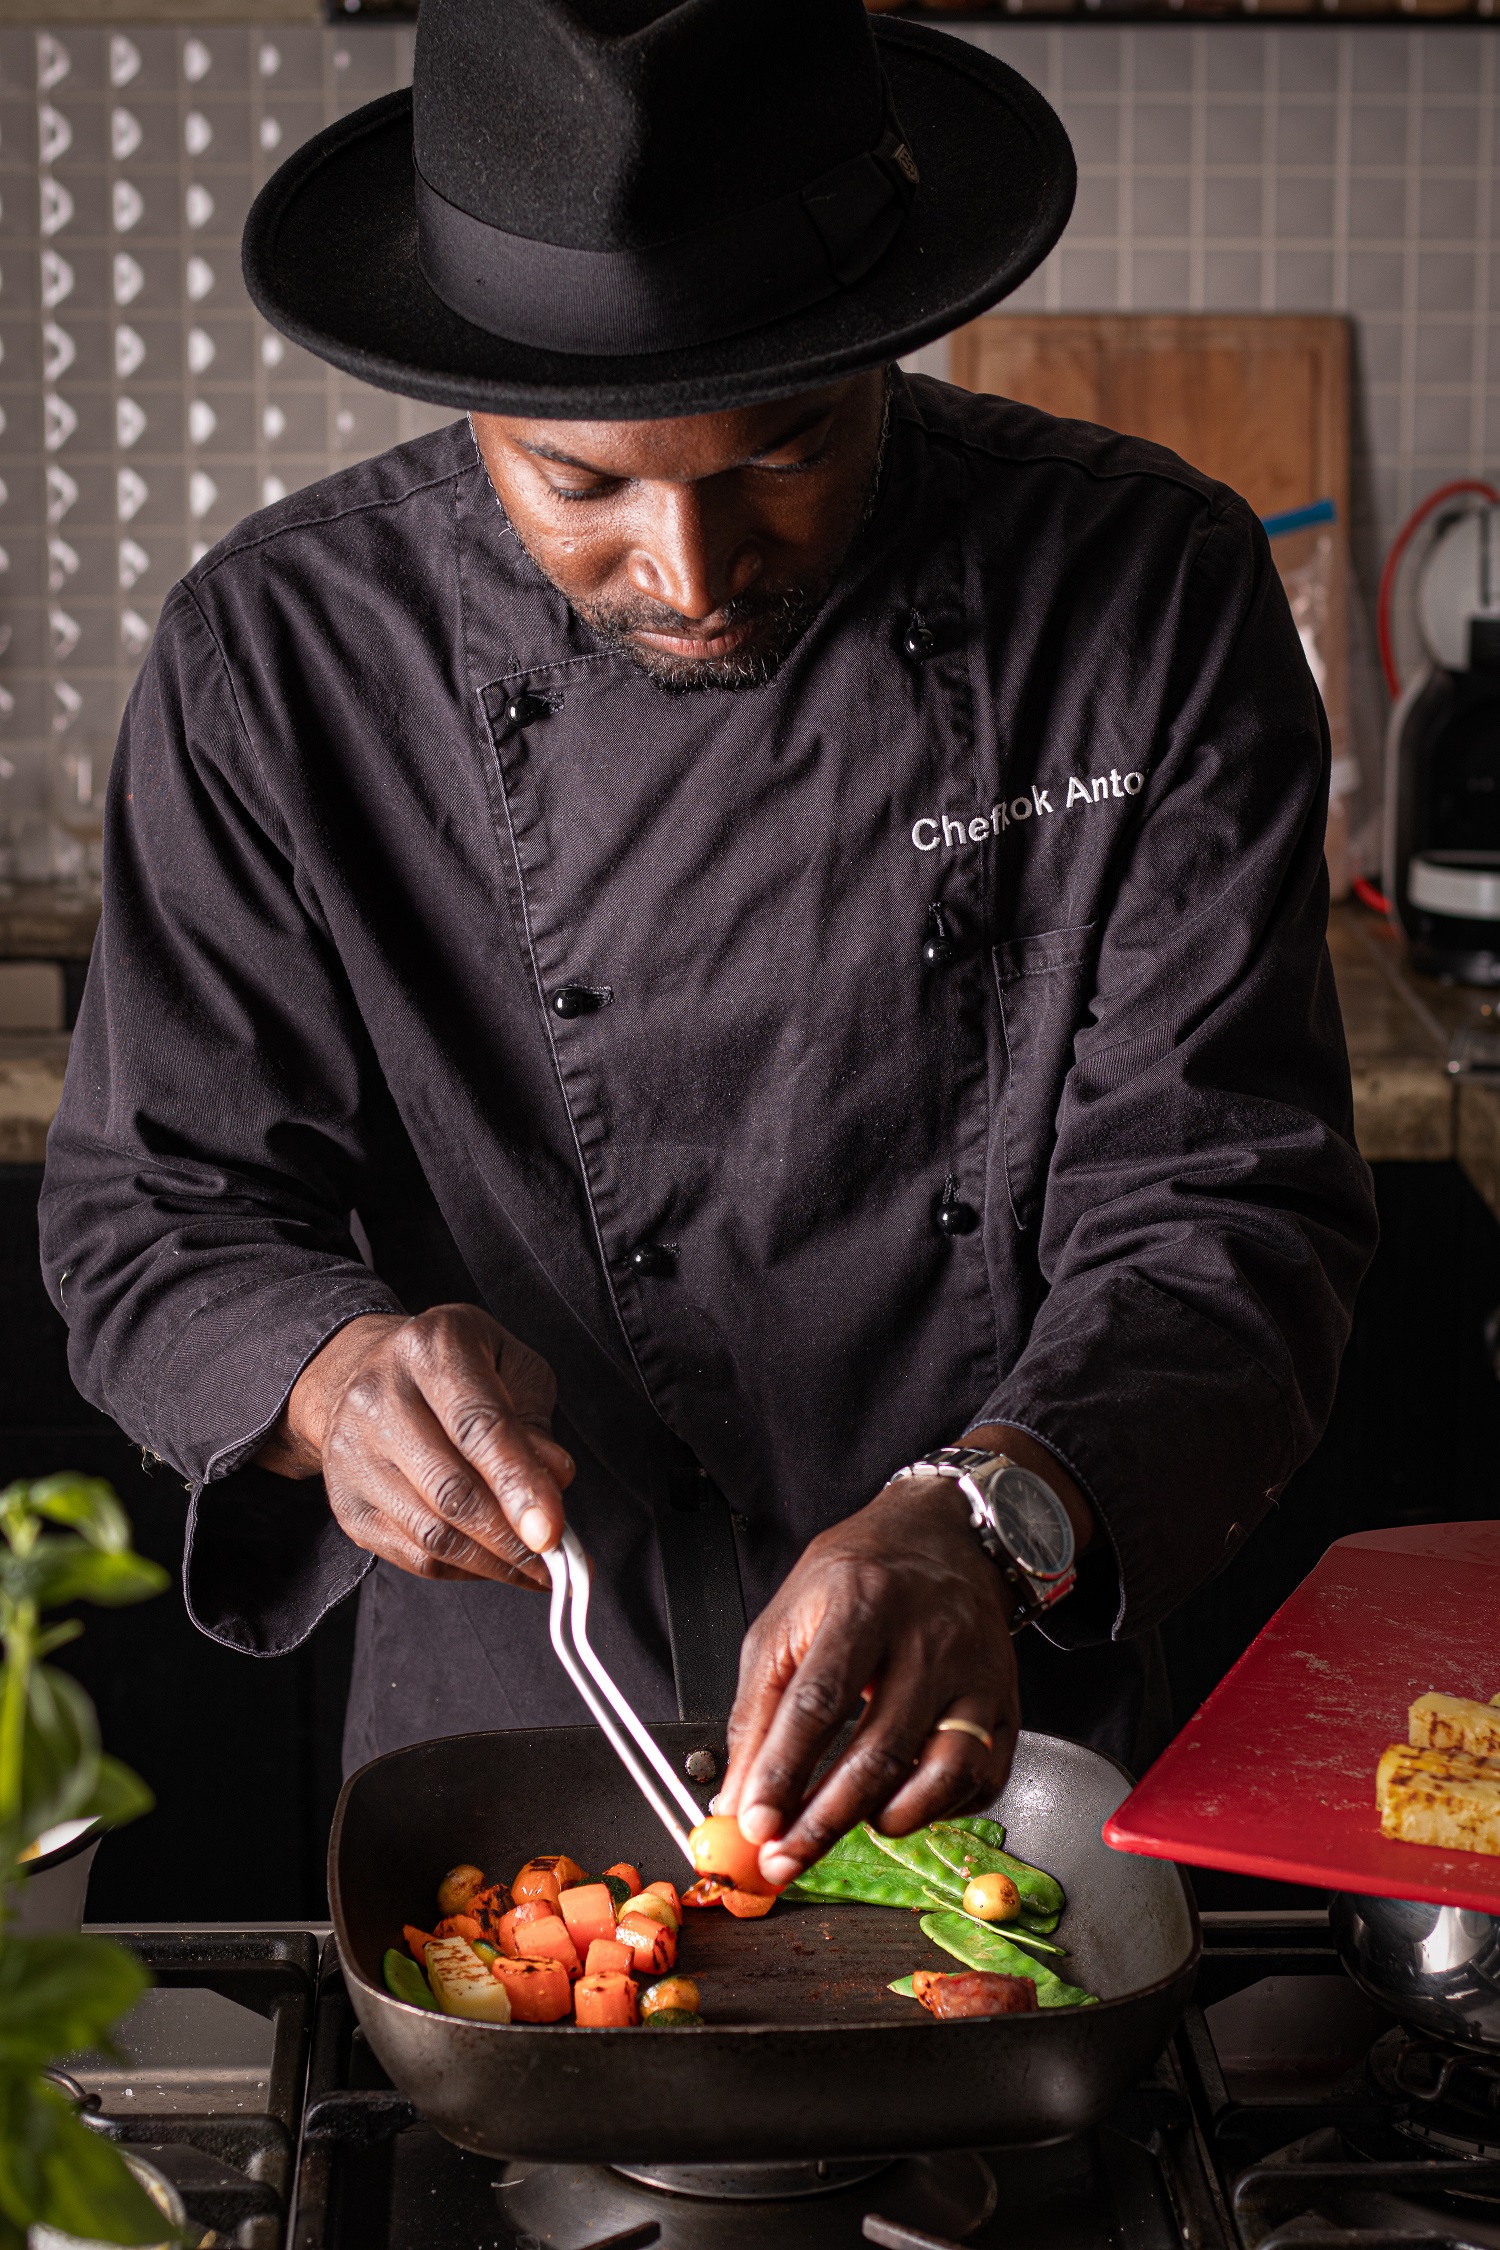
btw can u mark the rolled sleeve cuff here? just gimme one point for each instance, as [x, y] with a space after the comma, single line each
[1178, 1437]
[265, 1559]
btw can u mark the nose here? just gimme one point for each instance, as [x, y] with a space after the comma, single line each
[693, 554]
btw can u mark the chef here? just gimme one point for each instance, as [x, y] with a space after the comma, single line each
[733, 945]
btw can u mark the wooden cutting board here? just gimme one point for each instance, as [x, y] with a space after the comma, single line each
[1260, 400]
[1275, 1775]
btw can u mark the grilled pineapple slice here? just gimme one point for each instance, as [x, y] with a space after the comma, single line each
[462, 1985]
[1453, 1722]
[1446, 1798]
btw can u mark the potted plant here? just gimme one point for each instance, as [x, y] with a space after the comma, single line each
[63, 1540]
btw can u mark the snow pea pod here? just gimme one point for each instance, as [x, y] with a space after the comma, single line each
[943, 1884]
[406, 1981]
[857, 1869]
[988, 1831]
[964, 1855]
[981, 1946]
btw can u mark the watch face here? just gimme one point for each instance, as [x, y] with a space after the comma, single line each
[1033, 1523]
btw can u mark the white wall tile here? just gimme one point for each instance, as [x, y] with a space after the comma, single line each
[1250, 169]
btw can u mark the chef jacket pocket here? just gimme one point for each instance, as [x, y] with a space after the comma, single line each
[1042, 983]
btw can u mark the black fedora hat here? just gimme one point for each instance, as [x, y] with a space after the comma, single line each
[623, 209]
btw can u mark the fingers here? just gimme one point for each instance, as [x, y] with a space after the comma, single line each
[418, 1494]
[954, 1770]
[430, 1462]
[767, 1664]
[455, 1363]
[900, 1606]
[378, 1534]
[822, 1692]
[894, 1767]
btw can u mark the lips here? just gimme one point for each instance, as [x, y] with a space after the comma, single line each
[704, 646]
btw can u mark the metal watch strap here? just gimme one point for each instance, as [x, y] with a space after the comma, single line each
[957, 1463]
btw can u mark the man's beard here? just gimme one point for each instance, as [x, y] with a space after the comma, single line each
[786, 611]
[781, 613]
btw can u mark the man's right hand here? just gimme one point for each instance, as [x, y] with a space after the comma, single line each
[433, 1437]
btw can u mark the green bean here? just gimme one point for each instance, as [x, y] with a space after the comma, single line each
[406, 1981]
[981, 1946]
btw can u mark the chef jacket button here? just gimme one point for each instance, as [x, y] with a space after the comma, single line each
[937, 946]
[525, 710]
[919, 643]
[577, 1000]
[653, 1259]
[954, 1217]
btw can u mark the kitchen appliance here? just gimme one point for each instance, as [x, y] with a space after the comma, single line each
[208, 2081]
[1436, 1967]
[1288, 2109]
[1275, 1775]
[1442, 835]
[807, 2057]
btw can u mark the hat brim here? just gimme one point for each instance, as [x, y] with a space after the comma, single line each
[330, 258]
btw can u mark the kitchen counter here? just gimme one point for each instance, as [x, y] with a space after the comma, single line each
[31, 1080]
[1399, 1026]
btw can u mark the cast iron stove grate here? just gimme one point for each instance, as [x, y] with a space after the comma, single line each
[1348, 2134]
[372, 2176]
[210, 2091]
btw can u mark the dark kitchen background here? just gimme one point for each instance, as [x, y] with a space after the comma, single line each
[1247, 168]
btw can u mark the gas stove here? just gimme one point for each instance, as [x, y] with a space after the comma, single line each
[1289, 2113]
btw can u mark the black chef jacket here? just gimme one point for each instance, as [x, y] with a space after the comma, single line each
[379, 797]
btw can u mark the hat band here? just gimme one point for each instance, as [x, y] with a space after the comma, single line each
[719, 281]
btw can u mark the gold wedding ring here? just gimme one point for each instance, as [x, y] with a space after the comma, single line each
[966, 1726]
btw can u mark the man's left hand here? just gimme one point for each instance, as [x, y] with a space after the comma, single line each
[900, 1599]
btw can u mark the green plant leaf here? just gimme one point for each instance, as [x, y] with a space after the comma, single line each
[12, 2237]
[58, 1571]
[58, 1994]
[56, 1636]
[60, 1756]
[119, 1795]
[55, 2172]
[85, 1504]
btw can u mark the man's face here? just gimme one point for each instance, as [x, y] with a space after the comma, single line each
[701, 547]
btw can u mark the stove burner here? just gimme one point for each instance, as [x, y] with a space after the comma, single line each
[753, 2183]
[576, 2206]
[1448, 2097]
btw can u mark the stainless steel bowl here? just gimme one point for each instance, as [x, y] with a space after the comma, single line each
[1436, 1967]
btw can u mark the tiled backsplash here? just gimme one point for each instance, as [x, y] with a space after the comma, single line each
[1298, 170]
[146, 406]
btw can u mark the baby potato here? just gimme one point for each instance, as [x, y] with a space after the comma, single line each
[458, 1887]
[992, 1898]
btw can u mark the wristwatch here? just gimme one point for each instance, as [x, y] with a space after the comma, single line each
[1021, 1523]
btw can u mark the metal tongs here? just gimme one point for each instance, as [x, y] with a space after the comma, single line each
[572, 1574]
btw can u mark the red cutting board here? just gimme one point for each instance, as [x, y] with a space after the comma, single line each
[1275, 1775]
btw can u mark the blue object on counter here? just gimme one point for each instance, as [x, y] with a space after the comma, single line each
[1299, 519]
